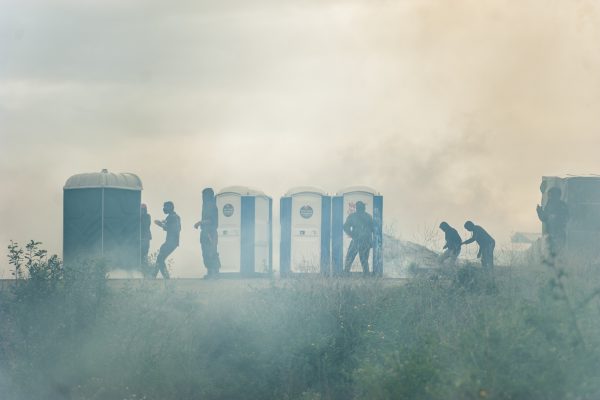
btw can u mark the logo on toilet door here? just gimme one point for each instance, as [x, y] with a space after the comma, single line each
[228, 210]
[306, 212]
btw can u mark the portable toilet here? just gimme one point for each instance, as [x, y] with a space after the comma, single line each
[305, 217]
[245, 231]
[101, 218]
[343, 204]
[582, 197]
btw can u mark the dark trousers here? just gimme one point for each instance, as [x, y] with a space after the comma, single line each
[362, 248]
[165, 251]
[145, 250]
[556, 242]
[210, 255]
[487, 255]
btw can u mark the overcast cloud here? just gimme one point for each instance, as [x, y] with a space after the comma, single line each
[453, 110]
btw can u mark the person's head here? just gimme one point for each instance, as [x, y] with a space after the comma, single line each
[554, 193]
[208, 194]
[360, 206]
[168, 207]
[144, 209]
[469, 225]
[444, 226]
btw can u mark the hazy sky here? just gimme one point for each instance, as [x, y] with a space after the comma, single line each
[452, 109]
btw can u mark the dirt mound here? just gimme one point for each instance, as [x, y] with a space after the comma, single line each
[399, 256]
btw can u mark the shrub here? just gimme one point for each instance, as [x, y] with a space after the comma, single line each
[468, 334]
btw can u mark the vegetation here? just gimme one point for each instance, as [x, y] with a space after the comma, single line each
[516, 333]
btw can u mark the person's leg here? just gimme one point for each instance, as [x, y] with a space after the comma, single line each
[215, 252]
[363, 253]
[217, 261]
[444, 256]
[165, 251]
[215, 264]
[160, 260]
[205, 245]
[453, 257]
[210, 254]
[351, 255]
[556, 242]
[145, 250]
[165, 272]
[487, 257]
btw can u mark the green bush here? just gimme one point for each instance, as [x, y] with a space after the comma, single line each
[516, 333]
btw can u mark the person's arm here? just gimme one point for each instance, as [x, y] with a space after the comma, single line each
[348, 226]
[540, 213]
[160, 223]
[469, 241]
[173, 224]
[207, 217]
[169, 223]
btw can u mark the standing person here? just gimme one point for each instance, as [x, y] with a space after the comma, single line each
[146, 235]
[209, 236]
[485, 241]
[172, 225]
[554, 216]
[359, 226]
[452, 246]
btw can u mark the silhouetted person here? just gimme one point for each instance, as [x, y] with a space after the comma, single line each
[172, 225]
[209, 237]
[485, 241]
[554, 216]
[146, 235]
[359, 226]
[452, 246]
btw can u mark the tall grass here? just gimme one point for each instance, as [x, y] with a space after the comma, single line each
[463, 334]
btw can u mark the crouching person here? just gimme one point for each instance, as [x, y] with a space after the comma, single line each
[452, 246]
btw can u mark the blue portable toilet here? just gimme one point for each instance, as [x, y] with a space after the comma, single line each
[101, 218]
[343, 204]
[305, 217]
[245, 231]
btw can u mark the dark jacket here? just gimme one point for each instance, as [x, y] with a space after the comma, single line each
[555, 215]
[173, 226]
[482, 238]
[210, 216]
[453, 240]
[359, 226]
[146, 222]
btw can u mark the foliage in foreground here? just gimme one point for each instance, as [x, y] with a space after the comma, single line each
[463, 335]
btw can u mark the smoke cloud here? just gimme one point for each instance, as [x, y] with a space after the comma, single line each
[453, 111]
